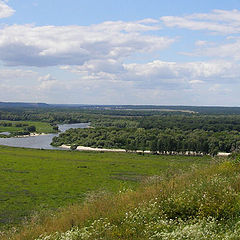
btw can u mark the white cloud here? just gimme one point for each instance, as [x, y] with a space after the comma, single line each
[218, 88]
[159, 74]
[173, 76]
[47, 82]
[13, 74]
[196, 82]
[95, 62]
[147, 24]
[218, 21]
[222, 22]
[75, 45]
[200, 43]
[46, 78]
[156, 82]
[94, 66]
[46, 85]
[5, 10]
[229, 50]
[219, 15]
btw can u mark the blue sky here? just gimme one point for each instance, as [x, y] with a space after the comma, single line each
[71, 12]
[175, 52]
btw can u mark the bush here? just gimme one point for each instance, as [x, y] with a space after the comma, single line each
[73, 147]
[31, 128]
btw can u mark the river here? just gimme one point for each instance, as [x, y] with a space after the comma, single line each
[40, 141]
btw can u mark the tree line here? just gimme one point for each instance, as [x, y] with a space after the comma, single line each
[168, 141]
[126, 119]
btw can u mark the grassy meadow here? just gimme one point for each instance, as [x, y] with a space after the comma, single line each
[41, 127]
[35, 180]
[201, 203]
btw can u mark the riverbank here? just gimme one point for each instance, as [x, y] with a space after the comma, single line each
[38, 139]
[83, 148]
[31, 135]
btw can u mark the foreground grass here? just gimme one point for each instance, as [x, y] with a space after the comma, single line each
[36, 180]
[201, 204]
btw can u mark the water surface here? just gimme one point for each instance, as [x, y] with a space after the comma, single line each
[5, 133]
[41, 141]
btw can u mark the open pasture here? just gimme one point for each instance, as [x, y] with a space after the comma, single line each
[16, 126]
[34, 180]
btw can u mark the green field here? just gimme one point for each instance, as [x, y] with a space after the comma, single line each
[33, 180]
[41, 127]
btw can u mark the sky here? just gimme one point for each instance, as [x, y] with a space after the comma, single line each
[175, 52]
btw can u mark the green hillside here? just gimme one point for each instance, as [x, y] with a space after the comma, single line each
[34, 180]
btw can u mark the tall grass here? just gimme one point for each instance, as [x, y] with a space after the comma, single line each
[201, 204]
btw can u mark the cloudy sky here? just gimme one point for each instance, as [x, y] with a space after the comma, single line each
[175, 52]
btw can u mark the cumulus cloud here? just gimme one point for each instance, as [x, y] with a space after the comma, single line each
[155, 82]
[217, 21]
[173, 75]
[200, 43]
[224, 22]
[95, 66]
[5, 10]
[160, 74]
[46, 78]
[100, 61]
[196, 82]
[13, 74]
[74, 45]
[229, 49]
[47, 82]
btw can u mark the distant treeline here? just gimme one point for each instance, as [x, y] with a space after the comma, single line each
[99, 118]
[10, 124]
[122, 128]
[17, 128]
[156, 140]
[122, 109]
[182, 122]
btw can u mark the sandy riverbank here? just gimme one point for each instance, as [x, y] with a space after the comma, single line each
[223, 154]
[31, 135]
[82, 148]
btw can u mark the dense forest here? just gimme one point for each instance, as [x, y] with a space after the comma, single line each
[140, 127]
[126, 118]
[168, 141]
[121, 109]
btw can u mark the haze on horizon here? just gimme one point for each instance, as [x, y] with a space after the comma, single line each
[177, 52]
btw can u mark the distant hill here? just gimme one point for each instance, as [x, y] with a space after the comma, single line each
[187, 109]
[22, 105]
